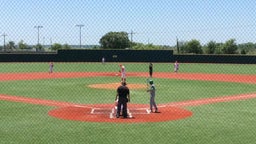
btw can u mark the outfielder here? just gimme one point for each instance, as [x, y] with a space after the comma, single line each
[103, 60]
[176, 66]
[51, 67]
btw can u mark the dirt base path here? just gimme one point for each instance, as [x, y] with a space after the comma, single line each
[137, 112]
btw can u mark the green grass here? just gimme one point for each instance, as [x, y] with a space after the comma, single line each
[228, 122]
[158, 67]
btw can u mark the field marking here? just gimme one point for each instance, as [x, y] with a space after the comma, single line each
[205, 101]
[129, 112]
[249, 79]
[196, 102]
[92, 111]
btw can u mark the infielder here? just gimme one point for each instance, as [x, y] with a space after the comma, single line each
[150, 70]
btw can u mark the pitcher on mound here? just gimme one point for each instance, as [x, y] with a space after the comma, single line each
[123, 73]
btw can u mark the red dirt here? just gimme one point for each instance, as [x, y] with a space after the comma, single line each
[168, 112]
[84, 114]
[115, 85]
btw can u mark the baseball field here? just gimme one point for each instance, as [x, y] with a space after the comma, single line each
[202, 103]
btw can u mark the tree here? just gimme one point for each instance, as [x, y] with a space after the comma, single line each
[229, 47]
[192, 46]
[66, 46]
[11, 45]
[219, 47]
[141, 46]
[22, 45]
[249, 48]
[115, 40]
[39, 47]
[56, 46]
[243, 51]
[211, 47]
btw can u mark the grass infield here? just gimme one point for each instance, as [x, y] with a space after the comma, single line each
[227, 122]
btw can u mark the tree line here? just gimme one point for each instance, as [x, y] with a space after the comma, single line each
[212, 47]
[120, 40]
[22, 46]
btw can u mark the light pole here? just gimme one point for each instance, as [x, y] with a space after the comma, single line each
[80, 27]
[131, 38]
[38, 28]
[4, 35]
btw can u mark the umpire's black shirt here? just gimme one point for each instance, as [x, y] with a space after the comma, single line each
[123, 91]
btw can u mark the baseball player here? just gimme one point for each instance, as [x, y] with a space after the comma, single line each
[103, 60]
[150, 70]
[123, 73]
[152, 90]
[123, 96]
[176, 66]
[51, 67]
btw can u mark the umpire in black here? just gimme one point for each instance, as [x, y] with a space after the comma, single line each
[123, 96]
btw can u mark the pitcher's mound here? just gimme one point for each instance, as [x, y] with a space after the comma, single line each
[115, 85]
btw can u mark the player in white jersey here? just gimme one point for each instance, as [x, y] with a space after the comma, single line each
[123, 73]
[176, 66]
[51, 67]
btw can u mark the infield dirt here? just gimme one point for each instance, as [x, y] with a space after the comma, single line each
[85, 112]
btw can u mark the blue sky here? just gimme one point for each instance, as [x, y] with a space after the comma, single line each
[153, 21]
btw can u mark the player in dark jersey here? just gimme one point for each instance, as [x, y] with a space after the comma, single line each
[150, 70]
[123, 96]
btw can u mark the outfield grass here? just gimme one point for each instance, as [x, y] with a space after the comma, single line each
[229, 122]
[158, 67]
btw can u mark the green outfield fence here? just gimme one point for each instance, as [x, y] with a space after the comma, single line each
[123, 56]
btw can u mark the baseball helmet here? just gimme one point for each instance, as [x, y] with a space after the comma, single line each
[151, 82]
[123, 83]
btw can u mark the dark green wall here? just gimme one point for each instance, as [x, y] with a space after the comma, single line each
[238, 59]
[114, 55]
[92, 56]
[123, 56]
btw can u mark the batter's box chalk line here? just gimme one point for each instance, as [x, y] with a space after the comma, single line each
[100, 110]
[112, 111]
